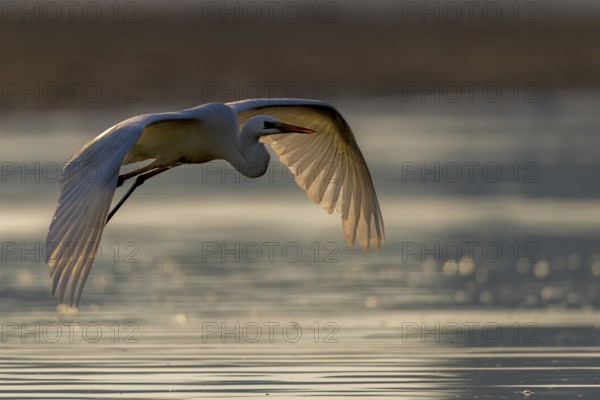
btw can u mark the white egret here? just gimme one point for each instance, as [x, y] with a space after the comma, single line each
[319, 149]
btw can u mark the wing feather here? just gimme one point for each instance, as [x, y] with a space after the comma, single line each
[88, 184]
[338, 179]
[329, 166]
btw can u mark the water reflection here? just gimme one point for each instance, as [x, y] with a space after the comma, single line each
[484, 290]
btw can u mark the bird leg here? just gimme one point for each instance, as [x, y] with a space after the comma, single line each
[124, 177]
[141, 178]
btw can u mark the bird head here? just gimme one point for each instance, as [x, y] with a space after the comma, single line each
[264, 125]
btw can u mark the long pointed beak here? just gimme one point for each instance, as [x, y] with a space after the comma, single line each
[287, 128]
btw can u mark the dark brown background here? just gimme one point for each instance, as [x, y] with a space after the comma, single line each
[180, 54]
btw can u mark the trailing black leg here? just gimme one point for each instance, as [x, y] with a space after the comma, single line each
[141, 178]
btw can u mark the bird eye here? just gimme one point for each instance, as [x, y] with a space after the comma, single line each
[268, 125]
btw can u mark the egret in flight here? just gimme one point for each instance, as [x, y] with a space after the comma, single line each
[311, 138]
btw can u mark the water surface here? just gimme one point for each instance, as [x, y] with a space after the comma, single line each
[213, 287]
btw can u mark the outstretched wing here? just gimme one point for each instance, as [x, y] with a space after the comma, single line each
[87, 184]
[328, 165]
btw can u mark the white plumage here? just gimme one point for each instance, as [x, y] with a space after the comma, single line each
[328, 165]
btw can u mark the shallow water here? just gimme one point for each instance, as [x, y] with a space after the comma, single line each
[209, 287]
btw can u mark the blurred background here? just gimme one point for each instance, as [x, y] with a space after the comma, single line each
[479, 121]
[181, 54]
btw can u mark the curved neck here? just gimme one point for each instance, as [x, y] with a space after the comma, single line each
[252, 158]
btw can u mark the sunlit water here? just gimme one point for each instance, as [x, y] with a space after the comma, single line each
[487, 287]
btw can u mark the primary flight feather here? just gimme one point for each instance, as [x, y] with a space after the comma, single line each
[314, 141]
